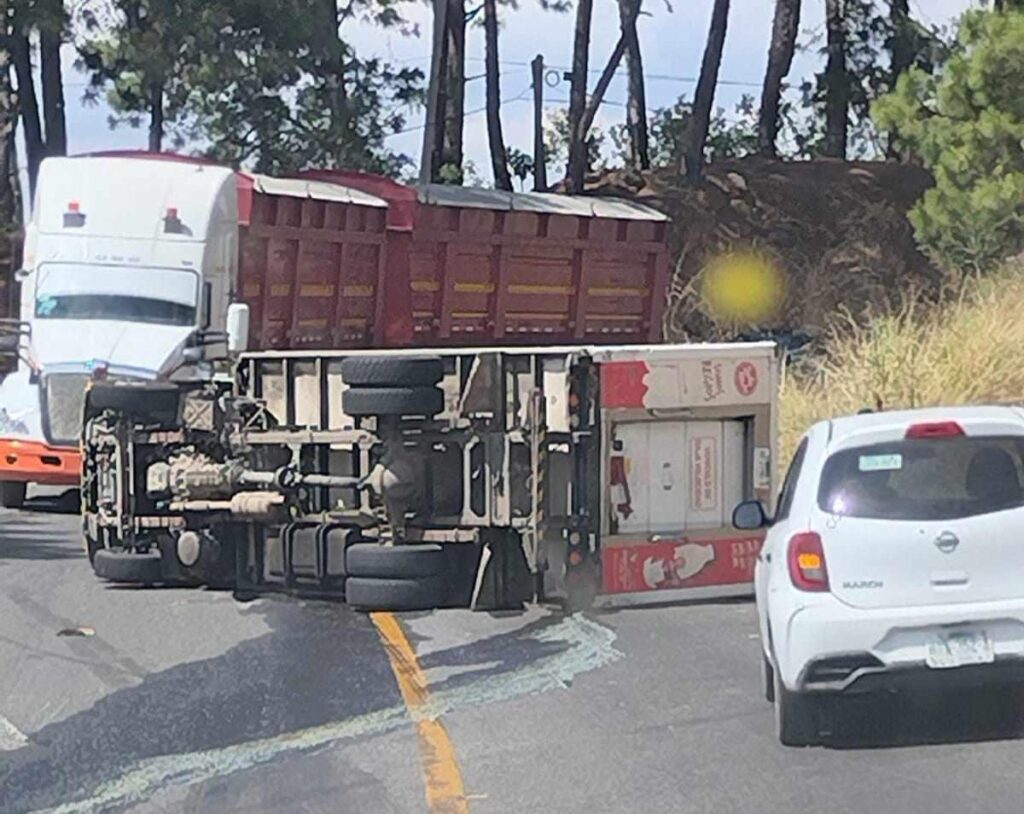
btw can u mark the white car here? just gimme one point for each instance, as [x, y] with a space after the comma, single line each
[895, 559]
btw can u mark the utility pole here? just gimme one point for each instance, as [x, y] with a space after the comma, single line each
[540, 170]
[432, 141]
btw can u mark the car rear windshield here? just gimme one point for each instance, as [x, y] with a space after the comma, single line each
[925, 479]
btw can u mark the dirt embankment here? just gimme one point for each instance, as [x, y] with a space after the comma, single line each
[837, 230]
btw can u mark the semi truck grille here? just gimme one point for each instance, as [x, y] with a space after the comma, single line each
[63, 405]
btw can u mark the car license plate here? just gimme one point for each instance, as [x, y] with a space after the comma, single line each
[959, 650]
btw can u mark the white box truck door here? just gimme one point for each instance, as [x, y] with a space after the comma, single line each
[678, 475]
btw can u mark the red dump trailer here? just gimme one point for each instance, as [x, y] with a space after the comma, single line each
[326, 260]
[347, 260]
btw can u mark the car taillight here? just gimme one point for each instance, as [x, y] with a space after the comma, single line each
[807, 566]
[935, 429]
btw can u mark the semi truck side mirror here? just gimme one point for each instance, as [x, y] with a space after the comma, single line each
[238, 327]
[9, 343]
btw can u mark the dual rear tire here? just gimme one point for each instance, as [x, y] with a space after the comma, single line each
[401, 577]
[385, 386]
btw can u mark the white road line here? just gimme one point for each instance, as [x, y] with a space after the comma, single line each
[590, 646]
[11, 737]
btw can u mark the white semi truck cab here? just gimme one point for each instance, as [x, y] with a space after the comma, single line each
[128, 263]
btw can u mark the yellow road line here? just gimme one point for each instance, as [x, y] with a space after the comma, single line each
[441, 774]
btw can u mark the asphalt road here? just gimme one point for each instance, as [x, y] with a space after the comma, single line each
[186, 701]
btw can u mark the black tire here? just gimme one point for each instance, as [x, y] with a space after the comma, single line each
[768, 679]
[128, 567]
[371, 401]
[426, 593]
[384, 371]
[150, 401]
[796, 715]
[12, 494]
[395, 562]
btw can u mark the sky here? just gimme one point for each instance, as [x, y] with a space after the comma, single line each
[672, 34]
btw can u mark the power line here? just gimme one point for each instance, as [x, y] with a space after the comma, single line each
[657, 77]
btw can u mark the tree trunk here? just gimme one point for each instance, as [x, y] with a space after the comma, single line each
[997, 5]
[499, 162]
[21, 54]
[780, 58]
[837, 91]
[156, 119]
[601, 87]
[345, 149]
[9, 215]
[578, 98]
[53, 93]
[636, 96]
[704, 97]
[455, 90]
[433, 129]
[901, 58]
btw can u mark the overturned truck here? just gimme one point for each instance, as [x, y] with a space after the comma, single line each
[405, 479]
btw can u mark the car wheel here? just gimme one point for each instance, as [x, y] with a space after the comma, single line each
[383, 371]
[373, 401]
[796, 715]
[370, 594]
[12, 494]
[395, 562]
[768, 679]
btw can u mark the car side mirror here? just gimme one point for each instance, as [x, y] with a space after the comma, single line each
[238, 327]
[750, 516]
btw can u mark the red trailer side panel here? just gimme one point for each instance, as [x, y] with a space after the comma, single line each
[482, 275]
[311, 266]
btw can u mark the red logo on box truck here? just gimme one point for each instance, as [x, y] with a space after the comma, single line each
[745, 378]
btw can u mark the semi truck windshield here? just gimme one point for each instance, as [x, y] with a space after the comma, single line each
[158, 296]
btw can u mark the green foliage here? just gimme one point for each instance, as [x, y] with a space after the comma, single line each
[966, 124]
[267, 84]
[870, 36]
[729, 136]
[520, 163]
[556, 141]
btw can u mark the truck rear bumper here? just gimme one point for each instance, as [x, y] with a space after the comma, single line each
[25, 461]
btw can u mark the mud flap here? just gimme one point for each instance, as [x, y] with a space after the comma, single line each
[503, 578]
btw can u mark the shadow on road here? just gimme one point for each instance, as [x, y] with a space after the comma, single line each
[66, 502]
[964, 716]
[320, 663]
[26, 535]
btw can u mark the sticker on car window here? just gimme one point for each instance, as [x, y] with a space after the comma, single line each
[880, 463]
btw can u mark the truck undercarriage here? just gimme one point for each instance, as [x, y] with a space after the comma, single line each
[392, 481]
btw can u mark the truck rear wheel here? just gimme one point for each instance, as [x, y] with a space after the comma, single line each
[384, 371]
[370, 594]
[376, 401]
[395, 562]
[12, 494]
[134, 568]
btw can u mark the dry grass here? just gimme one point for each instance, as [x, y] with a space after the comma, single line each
[969, 349]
